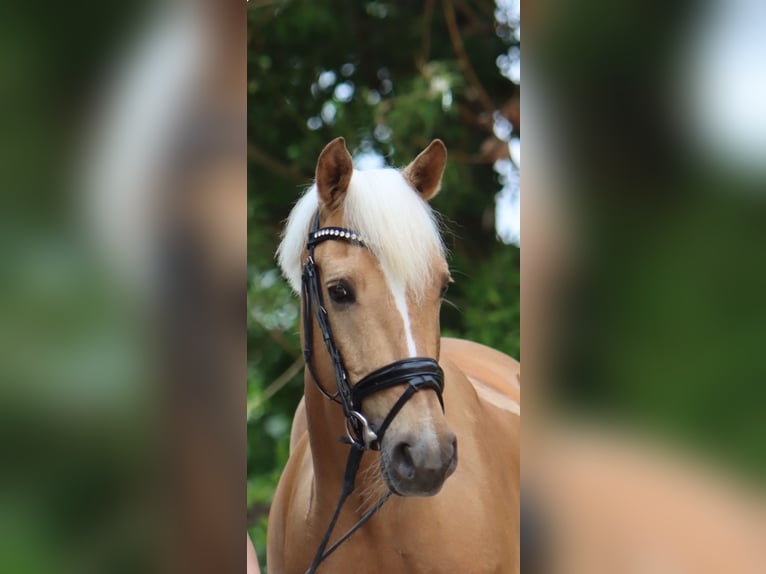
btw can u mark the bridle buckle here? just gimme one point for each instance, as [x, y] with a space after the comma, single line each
[368, 435]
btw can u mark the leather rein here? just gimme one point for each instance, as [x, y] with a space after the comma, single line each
[416, 372]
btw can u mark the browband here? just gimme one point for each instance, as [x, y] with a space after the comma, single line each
[324, 233]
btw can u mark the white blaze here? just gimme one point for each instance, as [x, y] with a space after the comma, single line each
[400, 298]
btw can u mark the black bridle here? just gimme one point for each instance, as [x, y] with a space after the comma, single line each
[417, 373]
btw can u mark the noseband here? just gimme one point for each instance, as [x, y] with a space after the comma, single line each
[417, 373]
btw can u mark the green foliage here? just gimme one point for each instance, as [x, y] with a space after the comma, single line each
[389, 78]
[485, 306]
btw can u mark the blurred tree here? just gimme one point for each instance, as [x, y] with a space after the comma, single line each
[389, 77]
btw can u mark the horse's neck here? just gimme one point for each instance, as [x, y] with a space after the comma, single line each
[329, 455]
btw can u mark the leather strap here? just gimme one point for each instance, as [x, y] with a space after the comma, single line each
[417, 373]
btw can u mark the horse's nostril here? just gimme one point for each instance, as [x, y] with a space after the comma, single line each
[407, 453]
[453, 459]
[403, 459]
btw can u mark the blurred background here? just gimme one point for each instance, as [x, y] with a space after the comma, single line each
[122, 286]
[149, 349]
[649, 156]
[389, 77]
[643, 278]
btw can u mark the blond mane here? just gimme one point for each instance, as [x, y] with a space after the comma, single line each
[397, 225]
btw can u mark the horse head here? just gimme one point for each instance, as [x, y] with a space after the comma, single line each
[381, 293]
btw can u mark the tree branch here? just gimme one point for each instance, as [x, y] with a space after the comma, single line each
[457, 44]
[425, 48]
[282, 380]
[276, 385]
[463, 7]
[284, 170]
[487, 7]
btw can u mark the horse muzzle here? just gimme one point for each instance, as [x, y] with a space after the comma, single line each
[419, 465]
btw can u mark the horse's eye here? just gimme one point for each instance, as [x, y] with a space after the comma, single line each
[445, 288]
[341, 292]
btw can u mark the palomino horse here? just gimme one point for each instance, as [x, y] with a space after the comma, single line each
[364, 250]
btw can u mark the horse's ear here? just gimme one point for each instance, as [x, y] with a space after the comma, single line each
[425, 171]
[333, 174]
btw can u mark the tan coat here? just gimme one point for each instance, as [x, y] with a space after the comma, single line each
[472, 525]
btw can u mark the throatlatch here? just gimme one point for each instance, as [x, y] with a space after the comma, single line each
[417, 373]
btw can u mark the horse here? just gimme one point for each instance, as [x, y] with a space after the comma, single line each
[364, 251]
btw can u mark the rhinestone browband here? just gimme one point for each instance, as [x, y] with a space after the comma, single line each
[335, 233]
